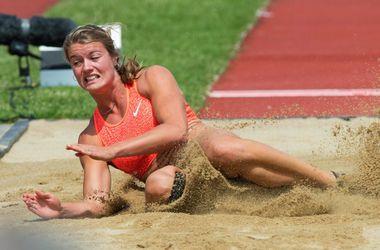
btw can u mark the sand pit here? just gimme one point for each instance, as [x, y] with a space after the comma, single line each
[214, 213]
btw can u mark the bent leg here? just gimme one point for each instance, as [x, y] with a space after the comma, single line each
[159, 185]
[256, 162]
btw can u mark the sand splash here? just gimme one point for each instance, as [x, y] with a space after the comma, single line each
[366, 179]
[204, 184]
[208, 191]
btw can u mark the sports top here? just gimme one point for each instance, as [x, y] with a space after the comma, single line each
[138, 119]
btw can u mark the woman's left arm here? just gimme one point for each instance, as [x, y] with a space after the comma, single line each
[168, 103]
[159, 85]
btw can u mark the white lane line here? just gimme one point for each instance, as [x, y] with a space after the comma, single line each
[293, 93]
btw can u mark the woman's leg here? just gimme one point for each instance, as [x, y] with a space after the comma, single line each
[159, 186]
[256, 162]
[266, 178]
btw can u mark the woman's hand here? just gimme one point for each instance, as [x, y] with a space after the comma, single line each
[45, 205]
[95, 152]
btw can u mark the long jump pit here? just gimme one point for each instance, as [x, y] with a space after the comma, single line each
[213, 213]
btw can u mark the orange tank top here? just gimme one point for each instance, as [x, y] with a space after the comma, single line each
[138, 119]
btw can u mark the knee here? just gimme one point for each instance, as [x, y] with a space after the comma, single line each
[158, 185]
[219, 152]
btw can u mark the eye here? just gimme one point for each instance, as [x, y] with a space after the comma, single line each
[75, 63]
[95, 57]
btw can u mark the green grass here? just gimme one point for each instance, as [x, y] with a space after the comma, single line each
[193, 38]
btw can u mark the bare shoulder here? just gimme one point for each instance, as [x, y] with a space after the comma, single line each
[155, 76]
[88, 135]
[155, 72]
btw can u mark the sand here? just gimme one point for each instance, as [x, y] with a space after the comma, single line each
[214, 213]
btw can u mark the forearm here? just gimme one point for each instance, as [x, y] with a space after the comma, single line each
[158, 139]
[81, 209]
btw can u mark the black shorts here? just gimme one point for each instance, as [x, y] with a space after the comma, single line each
[178, 186]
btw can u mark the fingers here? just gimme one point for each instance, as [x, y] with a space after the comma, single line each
[95, 152]
[80, 150]
[34, 207]
[73, 147]
[30, 199]
[42, 195]
[35, 196]
[30, 202]
[28, 196]
[36, 202]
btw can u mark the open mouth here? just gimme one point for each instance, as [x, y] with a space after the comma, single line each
[91, 78]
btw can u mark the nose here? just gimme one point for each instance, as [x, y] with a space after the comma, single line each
[87, 65]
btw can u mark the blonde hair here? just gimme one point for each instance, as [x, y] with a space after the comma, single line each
[128, 69]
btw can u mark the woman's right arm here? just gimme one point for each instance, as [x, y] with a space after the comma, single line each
[96, 189]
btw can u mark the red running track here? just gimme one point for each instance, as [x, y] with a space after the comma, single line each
[25, 8]
[310, 58]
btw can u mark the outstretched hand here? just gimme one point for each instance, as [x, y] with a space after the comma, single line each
[45, 205]
[95, 152]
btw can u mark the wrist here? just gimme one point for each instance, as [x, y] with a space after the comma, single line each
[114, 151]
[60, 212]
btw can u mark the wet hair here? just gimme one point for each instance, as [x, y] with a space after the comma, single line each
[127, 69]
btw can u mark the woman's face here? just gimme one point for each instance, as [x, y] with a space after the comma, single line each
[93, 66]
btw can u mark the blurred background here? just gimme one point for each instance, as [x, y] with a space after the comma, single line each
[194, 39]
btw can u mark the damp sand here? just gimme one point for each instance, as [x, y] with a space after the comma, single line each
[213, 213]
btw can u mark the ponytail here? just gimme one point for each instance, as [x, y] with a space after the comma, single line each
[129, 70]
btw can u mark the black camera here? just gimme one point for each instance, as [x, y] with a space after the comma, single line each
[17, 34]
